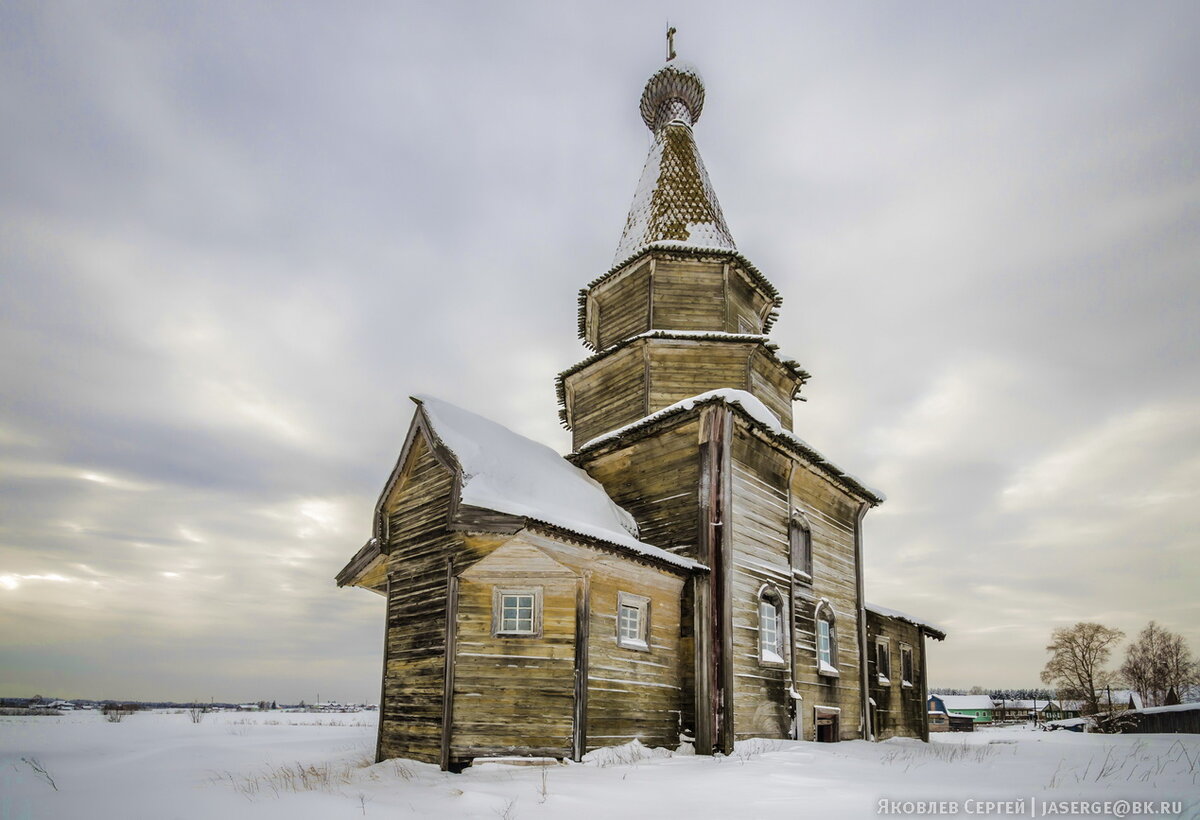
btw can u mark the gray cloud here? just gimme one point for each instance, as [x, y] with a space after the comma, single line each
[234, 239]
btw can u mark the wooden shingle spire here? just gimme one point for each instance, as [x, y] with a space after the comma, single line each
[674, 202]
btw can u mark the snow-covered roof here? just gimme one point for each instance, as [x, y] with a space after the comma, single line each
[674, 200]
[508, 473]
[758, 412]
[976, 702]
[1030, 705]
[932, 629]
[1178, 707]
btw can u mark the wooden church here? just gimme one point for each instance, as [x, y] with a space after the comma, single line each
[690, 573]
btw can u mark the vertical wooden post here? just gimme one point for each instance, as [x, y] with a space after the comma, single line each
[724, 530]
[448, 673]
[583, 614]
[714, 639]
[387, 628]
[924, 691]
[702, 638]
[864, 691]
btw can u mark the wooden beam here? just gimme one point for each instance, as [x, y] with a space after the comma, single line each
[924, 688]
[450, 650]
[583, 614]
[702, 632]
[387, 620]
[864, 691]
[724, 522]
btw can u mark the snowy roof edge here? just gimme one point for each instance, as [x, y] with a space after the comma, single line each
[623, 541]
[772, 428]
[934, 630]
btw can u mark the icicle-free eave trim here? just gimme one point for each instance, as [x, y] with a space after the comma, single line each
[751, 271]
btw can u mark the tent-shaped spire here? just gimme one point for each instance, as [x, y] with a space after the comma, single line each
[674, 202]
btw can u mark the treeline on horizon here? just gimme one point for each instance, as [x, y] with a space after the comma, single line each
[997, 694]
[40, 700]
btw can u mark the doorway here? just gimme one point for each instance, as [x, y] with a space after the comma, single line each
[826, 721]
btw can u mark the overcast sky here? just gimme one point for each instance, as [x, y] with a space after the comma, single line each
[235, 237]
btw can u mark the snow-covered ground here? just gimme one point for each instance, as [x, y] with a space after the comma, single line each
[275, 765]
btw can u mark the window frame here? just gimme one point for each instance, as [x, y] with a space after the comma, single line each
[777, 658]
[642, 604]
[906, 652]
[800, 550]
[883, 671]
[826, 666]
[498, 595]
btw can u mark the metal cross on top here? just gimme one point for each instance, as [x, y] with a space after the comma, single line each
[670, 43]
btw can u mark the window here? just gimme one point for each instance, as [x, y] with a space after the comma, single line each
[906, 665]
[883, 661]
[633, 621]
[770, 626]
[826, 640]
[800, 545]
[517, 611]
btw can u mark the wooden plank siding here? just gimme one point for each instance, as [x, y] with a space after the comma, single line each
[679, 369]
[418, 546]
[607, 394]
[832, 514]
[621, 306]
[648, 374]
[689, 295]
[759, 530]
[514, 694]
[517, 695]
[747, 306]
[900, 711]
[654, 478]
[634, 694]
[770, 381]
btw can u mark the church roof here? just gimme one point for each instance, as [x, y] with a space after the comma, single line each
[508, 473]
[674, 201]
[934, 630]
[758, 415]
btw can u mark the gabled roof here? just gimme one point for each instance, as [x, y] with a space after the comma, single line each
[674, 200]
[508, 473]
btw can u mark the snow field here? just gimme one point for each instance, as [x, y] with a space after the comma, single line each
[277, 765]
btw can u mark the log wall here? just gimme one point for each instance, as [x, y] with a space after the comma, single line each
[899, 711]
[833, 517]
[759, 528]
[514, 694]
[419, 545]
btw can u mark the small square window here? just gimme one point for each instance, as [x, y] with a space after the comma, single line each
[517, 612]
[633, 621]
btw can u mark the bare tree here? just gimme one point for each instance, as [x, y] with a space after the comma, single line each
[1076, 665]
[1157, 662]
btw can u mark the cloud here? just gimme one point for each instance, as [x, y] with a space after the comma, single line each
[235, 240]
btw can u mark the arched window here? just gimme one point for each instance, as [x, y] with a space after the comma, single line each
[826, 640]
[770, 626]
[800, 546]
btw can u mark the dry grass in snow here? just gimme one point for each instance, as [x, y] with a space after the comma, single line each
[272, 766]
